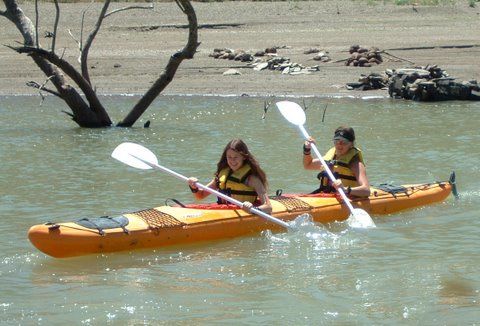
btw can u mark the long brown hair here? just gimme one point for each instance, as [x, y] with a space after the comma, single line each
[239, 146]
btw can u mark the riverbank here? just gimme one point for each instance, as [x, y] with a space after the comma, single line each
[133, 47]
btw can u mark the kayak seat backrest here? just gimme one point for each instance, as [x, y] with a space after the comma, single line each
[156, 219]
[292, 204]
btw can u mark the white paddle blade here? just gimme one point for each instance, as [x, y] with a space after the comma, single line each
[133, 155]
[292, 112]
[360, 219]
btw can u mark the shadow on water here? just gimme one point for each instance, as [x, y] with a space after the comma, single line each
[459, 291]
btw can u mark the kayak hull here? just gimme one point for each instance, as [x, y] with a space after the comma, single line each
[175, 225]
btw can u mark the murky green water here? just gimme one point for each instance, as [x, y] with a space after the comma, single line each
[417, 267]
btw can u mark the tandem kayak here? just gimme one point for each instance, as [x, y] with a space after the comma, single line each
[181, 224]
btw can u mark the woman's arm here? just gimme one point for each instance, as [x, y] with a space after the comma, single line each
[309, 163]
[360, 172]
[198, 193]
[256, 183]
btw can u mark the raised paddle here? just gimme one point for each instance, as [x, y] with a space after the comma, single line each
[139, 157]
[295, 115]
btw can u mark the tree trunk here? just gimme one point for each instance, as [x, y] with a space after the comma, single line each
[87, 110]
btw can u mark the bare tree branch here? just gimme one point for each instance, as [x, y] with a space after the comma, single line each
[36, 23]
[42, 87]
[181, 6]
[166, 77]
[82, 25]
[150, 7]
[79, 41]
[69, 114]
[461, 46]
[394, 56]
[75, 39]
[3, 13]
[266, 105]
[55, 26]
[83, 115]
[89, 41]
[79, 44]
[66, 67]
[63, 52]
[22, 22]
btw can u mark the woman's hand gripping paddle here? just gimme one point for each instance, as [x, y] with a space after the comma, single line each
[294, 114]
[139, 157]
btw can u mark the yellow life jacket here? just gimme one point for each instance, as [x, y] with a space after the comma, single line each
[233, 184]
[340, 167]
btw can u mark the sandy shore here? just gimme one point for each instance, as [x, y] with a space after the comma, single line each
[140, 42]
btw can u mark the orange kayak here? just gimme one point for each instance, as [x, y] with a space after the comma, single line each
[182, 224]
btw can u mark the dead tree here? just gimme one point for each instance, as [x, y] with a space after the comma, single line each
[87, 110]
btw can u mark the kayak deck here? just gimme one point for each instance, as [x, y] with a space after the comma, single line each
[172, 225]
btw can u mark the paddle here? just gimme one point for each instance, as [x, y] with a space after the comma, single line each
[139, 157]
[295, 115]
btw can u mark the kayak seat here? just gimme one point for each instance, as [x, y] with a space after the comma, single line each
[104, 223]
[391, 189]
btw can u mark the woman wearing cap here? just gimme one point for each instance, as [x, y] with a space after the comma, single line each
[345, 162]
[239, 176]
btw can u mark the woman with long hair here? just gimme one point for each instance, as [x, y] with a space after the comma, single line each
[239, 176]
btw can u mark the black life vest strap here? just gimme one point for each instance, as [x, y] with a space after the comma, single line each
[347, 177]
[337, 175]
[237, 180]
[243, 192]
[227, 192]
[345, 165]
